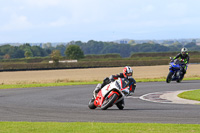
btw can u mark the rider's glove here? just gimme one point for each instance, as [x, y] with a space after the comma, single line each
[111, 78]
[106, 81]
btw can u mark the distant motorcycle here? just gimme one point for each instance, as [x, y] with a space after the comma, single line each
[111, 94]
[175, 73]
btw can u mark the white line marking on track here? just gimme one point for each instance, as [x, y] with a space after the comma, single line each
[133, 97]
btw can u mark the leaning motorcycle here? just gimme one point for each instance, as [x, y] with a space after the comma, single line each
[111, 94]
[175, 73]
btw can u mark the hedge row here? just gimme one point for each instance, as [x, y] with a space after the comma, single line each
[84, 64]
[135, 56]
[163, 54]
[102, 56]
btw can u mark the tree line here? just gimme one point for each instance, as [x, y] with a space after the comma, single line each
[8, 51]
[77, 49]
[27, 51]
[126, 50]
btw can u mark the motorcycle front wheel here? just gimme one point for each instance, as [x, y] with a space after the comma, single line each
[109, 102]
[169, 77]
[91, 104]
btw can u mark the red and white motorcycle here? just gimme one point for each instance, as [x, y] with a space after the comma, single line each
[110, 94]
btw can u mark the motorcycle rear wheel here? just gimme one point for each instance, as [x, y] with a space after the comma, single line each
[109, 102]
[169, 77]
[179, 80]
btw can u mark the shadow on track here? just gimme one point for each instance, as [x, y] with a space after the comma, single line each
[131, 109]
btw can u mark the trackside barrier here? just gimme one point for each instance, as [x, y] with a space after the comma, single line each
[66, 61]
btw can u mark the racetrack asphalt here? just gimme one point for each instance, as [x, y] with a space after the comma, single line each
[70, 104]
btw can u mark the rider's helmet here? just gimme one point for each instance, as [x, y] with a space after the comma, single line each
[127, 72]
[184, 51]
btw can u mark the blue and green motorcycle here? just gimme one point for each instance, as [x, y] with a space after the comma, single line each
[175, 73]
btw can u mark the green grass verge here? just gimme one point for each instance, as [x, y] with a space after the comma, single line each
[164, 79]
[10, 86]
[24, 85]
[192, 95]
[95, 127]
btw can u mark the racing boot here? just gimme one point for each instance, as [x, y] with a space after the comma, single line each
[120, 105]
[183, 73]
[96, 90]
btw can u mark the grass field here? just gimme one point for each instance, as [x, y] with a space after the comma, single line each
[60, 83]
[91, 127]
[192, 95]
[88, 75]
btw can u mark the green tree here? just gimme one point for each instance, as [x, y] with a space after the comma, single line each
[4, 49]
[47, 45]
[15, 52]
[56, 56]
[190, 45]
[28, 54]
[25, 46]
[61, 48]
[38, 51]
[176, 43]
[74, 52]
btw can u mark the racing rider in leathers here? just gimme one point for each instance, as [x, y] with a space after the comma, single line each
[127, 73]
[184, 57]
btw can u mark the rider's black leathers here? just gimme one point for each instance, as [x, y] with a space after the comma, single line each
[185, 58]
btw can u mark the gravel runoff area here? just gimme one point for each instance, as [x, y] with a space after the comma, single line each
[90, 74]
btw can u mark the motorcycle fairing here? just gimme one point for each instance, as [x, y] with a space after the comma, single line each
[99, 99]
[175, 68]
[106, 89]
[109, 89]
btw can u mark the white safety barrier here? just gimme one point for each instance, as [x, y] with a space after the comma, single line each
[66, 61]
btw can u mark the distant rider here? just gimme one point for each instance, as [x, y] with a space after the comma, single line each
[183, 57]
[127, 73]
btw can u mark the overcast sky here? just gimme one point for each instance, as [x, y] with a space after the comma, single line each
[35, 21]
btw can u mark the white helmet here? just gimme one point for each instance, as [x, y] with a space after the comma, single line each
[127, 70]
[184, 51]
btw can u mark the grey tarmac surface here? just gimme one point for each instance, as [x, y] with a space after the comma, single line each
[70, 104]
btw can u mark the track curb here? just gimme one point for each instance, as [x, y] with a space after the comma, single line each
[167, 97]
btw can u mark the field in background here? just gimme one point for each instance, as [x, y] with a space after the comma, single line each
[93, 61]
[90, 74]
